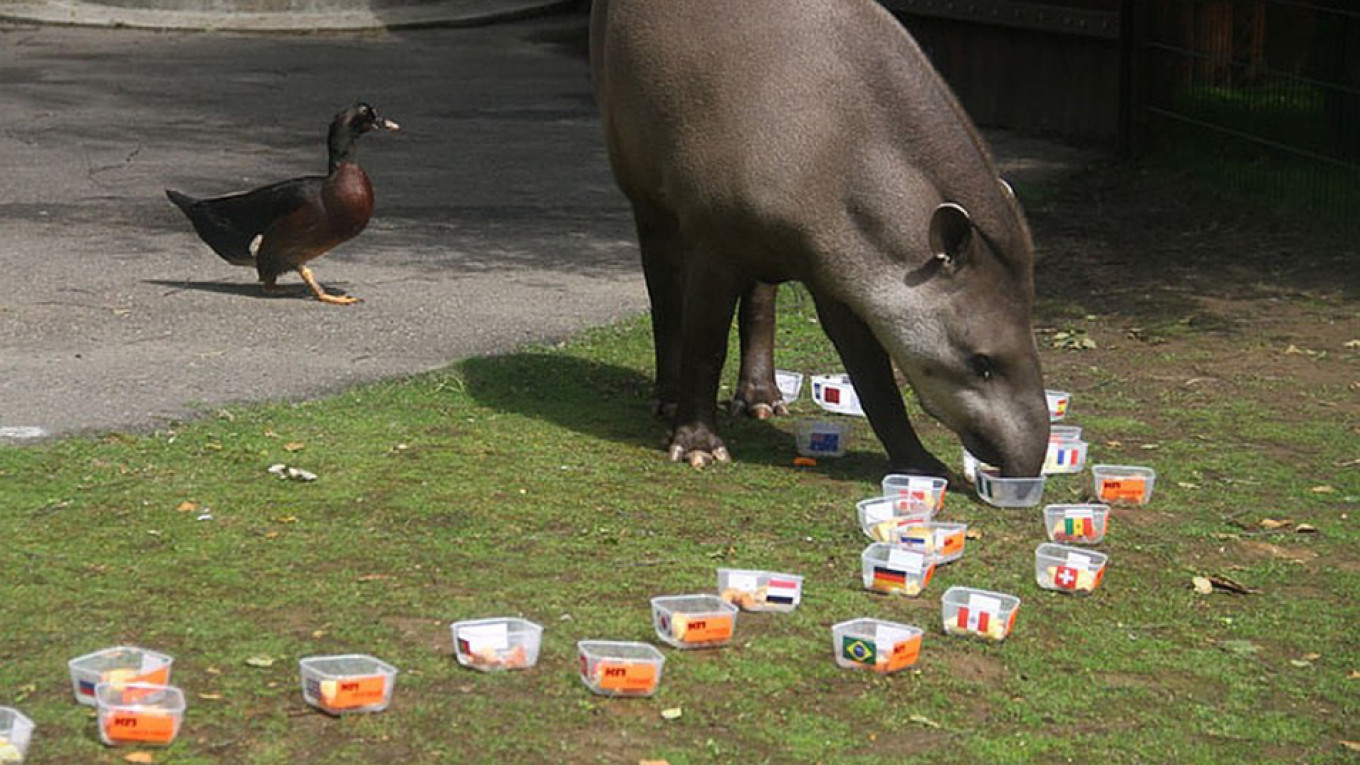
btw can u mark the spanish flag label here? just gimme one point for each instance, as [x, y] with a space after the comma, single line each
[353, 692]
[1123, 489]
[144, 727]
[625, 677]
[706, 629]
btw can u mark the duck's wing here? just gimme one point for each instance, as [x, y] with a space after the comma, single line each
[231, 223]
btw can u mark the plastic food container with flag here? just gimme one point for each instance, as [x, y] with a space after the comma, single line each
[694, 621]
[1065, 456]
[912, 493]
[16, 730]
[117, 666]
[620, 668]
[972, 612]
[1057, 403]
[1009, 492]
[881, 646]
[1126, 484]
[834, 393]
[941, 542]
[496, 644]
[140, 714]
[895, 570]
[755, 590]
[348, 683]
[882, 521]
[1068, 569]
[821, 438]
[1077, 524]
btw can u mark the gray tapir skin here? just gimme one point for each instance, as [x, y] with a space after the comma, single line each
[762, 141]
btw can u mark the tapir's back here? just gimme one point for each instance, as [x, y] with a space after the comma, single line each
[761, 103]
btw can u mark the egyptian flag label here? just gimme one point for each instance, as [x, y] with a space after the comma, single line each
[784, 591]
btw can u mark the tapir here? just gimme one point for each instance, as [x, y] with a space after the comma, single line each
[765, 141]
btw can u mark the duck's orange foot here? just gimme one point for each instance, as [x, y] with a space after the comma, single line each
[321, 293]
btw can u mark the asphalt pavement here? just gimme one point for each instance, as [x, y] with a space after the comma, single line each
[497, 222]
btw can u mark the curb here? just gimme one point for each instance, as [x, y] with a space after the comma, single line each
[447, 13]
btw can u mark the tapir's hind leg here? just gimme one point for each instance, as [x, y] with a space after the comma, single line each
[757, 392]
[871, 373]
[663, 268]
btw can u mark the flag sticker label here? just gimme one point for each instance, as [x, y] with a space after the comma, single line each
[1129, 489]
[859, 650]
[625, 677]
[910, 561]
[140, 726]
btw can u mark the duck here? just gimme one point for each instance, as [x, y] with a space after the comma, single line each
[281, 227]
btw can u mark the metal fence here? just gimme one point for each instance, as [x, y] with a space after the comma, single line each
[1261, 94]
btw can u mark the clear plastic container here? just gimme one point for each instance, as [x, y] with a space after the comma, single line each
[1064, 432]
[139, 714]
[915, 492]
[881, 646]
[616, 668]
[16, 730]
[821, 438]
[972, 466]
[1010, 492]
[895, 570]
[942, 542]
[881, 521]
[1123, 484]
[834, 393]
[348, 683]
[972, 612]
[756, 590]
[1068, 569]
[496, 644]
[119, 665]
[694, 621]
[1065, 457]
[1076, 524]
[790, 384]
[1058, 400]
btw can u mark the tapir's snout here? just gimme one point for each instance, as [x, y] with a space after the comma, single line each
[1017, 444]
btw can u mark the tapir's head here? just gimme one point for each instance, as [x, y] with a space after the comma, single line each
[967, 342]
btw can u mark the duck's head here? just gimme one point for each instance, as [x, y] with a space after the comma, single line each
[349, 125]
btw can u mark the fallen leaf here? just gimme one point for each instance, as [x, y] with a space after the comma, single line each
[923, 720]
[187, 506]
[1240, 647]
[271, 535]
[1323, 489]
[318, 634]
[260, 661]
[1312, 656]
[1353, 343]
[1232, 585]
[1114, 444]
[286, 519]
[294, 446]
[973, 534]
[1354, 746]
[1300, 663]
[673, 713]
[1149, 447]
[1354, 675]
[653, 762]
[1271, 523]
[213, 671]
[372, 577]
[1187, 485]
[210, 696]
[1305, 528]
[1202, 585]
[139, 757]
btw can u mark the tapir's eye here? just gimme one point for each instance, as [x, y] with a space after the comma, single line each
[981, 366]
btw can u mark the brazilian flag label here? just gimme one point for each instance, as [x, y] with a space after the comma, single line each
[858, 649]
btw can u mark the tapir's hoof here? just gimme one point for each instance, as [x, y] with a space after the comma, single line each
[759, 411]
[697, 458]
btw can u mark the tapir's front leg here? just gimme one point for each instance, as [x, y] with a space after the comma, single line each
[710, 299]
[871, 373]
[757, 392]
[662, 266]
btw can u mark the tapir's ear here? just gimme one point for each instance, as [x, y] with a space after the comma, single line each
[950, 232]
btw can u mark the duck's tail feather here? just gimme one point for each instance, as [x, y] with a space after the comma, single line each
[233, 244]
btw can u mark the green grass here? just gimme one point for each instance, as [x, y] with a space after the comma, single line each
[535, 484]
